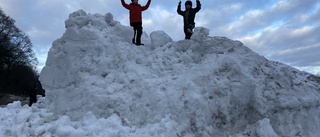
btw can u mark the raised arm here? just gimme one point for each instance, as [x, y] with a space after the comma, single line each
[179, 9]
[124, 4]
[146, 6]
[198, 6]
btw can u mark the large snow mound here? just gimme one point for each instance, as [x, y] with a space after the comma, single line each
[99, 84]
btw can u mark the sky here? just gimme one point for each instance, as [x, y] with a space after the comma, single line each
[281, 30]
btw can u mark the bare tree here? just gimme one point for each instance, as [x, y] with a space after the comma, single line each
[17, 59]
[15, 46]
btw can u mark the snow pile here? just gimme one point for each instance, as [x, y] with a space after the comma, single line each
[99, 84]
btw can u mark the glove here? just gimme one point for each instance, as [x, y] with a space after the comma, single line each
[180, 2]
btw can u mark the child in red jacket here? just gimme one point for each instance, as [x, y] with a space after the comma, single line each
[135, 10]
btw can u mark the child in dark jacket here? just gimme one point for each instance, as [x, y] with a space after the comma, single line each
[188, 17]
[135, 11]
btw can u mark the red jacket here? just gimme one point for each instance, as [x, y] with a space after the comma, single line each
[135, 10]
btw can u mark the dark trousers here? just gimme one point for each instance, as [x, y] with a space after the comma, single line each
[32, 97]
[137, 27]
[188, 30]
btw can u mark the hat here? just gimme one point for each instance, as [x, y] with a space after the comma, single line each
[188, 3]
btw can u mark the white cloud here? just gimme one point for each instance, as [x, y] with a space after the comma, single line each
[301, 31]
[168, 21]
[312, 69]
[268, 27]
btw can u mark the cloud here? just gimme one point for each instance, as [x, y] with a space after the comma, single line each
[168, 21]
[42, 57]
[295, 46]
[301, 56]
[277, 29]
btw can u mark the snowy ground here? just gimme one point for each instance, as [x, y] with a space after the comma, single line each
[99, 84]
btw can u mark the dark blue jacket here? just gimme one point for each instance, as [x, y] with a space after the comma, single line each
[189, 15]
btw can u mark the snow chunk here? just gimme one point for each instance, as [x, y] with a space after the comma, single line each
[159, 38]
[264, 129]
[200, 33]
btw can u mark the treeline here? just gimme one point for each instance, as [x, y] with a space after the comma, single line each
[17, 60]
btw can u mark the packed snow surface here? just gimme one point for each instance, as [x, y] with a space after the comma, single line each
[99, 84]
